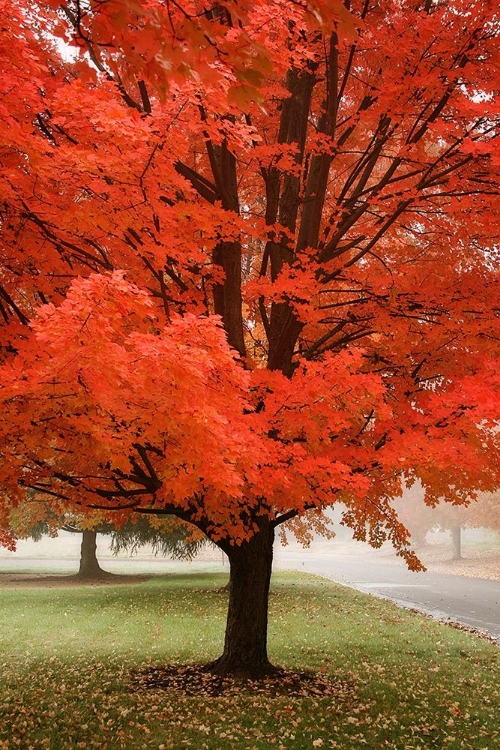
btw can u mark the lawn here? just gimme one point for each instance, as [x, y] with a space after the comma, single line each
[398, 680]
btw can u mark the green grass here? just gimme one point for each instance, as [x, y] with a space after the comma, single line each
[66, 656]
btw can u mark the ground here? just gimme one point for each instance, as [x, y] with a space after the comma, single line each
[476, 563]
[42, 580]
[48, 565]
[72, 661]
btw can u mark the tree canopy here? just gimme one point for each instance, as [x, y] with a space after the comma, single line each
[250, 259]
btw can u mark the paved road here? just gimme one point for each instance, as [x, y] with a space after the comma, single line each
[471, 601]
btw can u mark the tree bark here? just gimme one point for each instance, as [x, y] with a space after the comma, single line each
[456, 537]
[89, 564]
[245, 646]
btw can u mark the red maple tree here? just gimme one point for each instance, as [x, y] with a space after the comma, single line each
[250, 266]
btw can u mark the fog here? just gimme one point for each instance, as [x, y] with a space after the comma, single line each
[433, 541]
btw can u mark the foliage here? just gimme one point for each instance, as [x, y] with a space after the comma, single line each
[366, 237]
[408, 682]
[165, 535]
[35, 518]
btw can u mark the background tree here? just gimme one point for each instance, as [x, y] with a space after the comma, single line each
[166, 536]
[420, 518]
[34, 519]
[270, 266]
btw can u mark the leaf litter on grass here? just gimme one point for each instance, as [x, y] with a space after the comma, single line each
[393, 680]
[197, 680]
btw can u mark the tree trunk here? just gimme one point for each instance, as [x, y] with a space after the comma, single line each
[245, 646]
[456, 537]
[89, 564]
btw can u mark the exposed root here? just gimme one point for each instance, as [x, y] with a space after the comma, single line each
[224, 668]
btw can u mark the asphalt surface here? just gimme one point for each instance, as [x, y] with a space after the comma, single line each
[474, 602]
